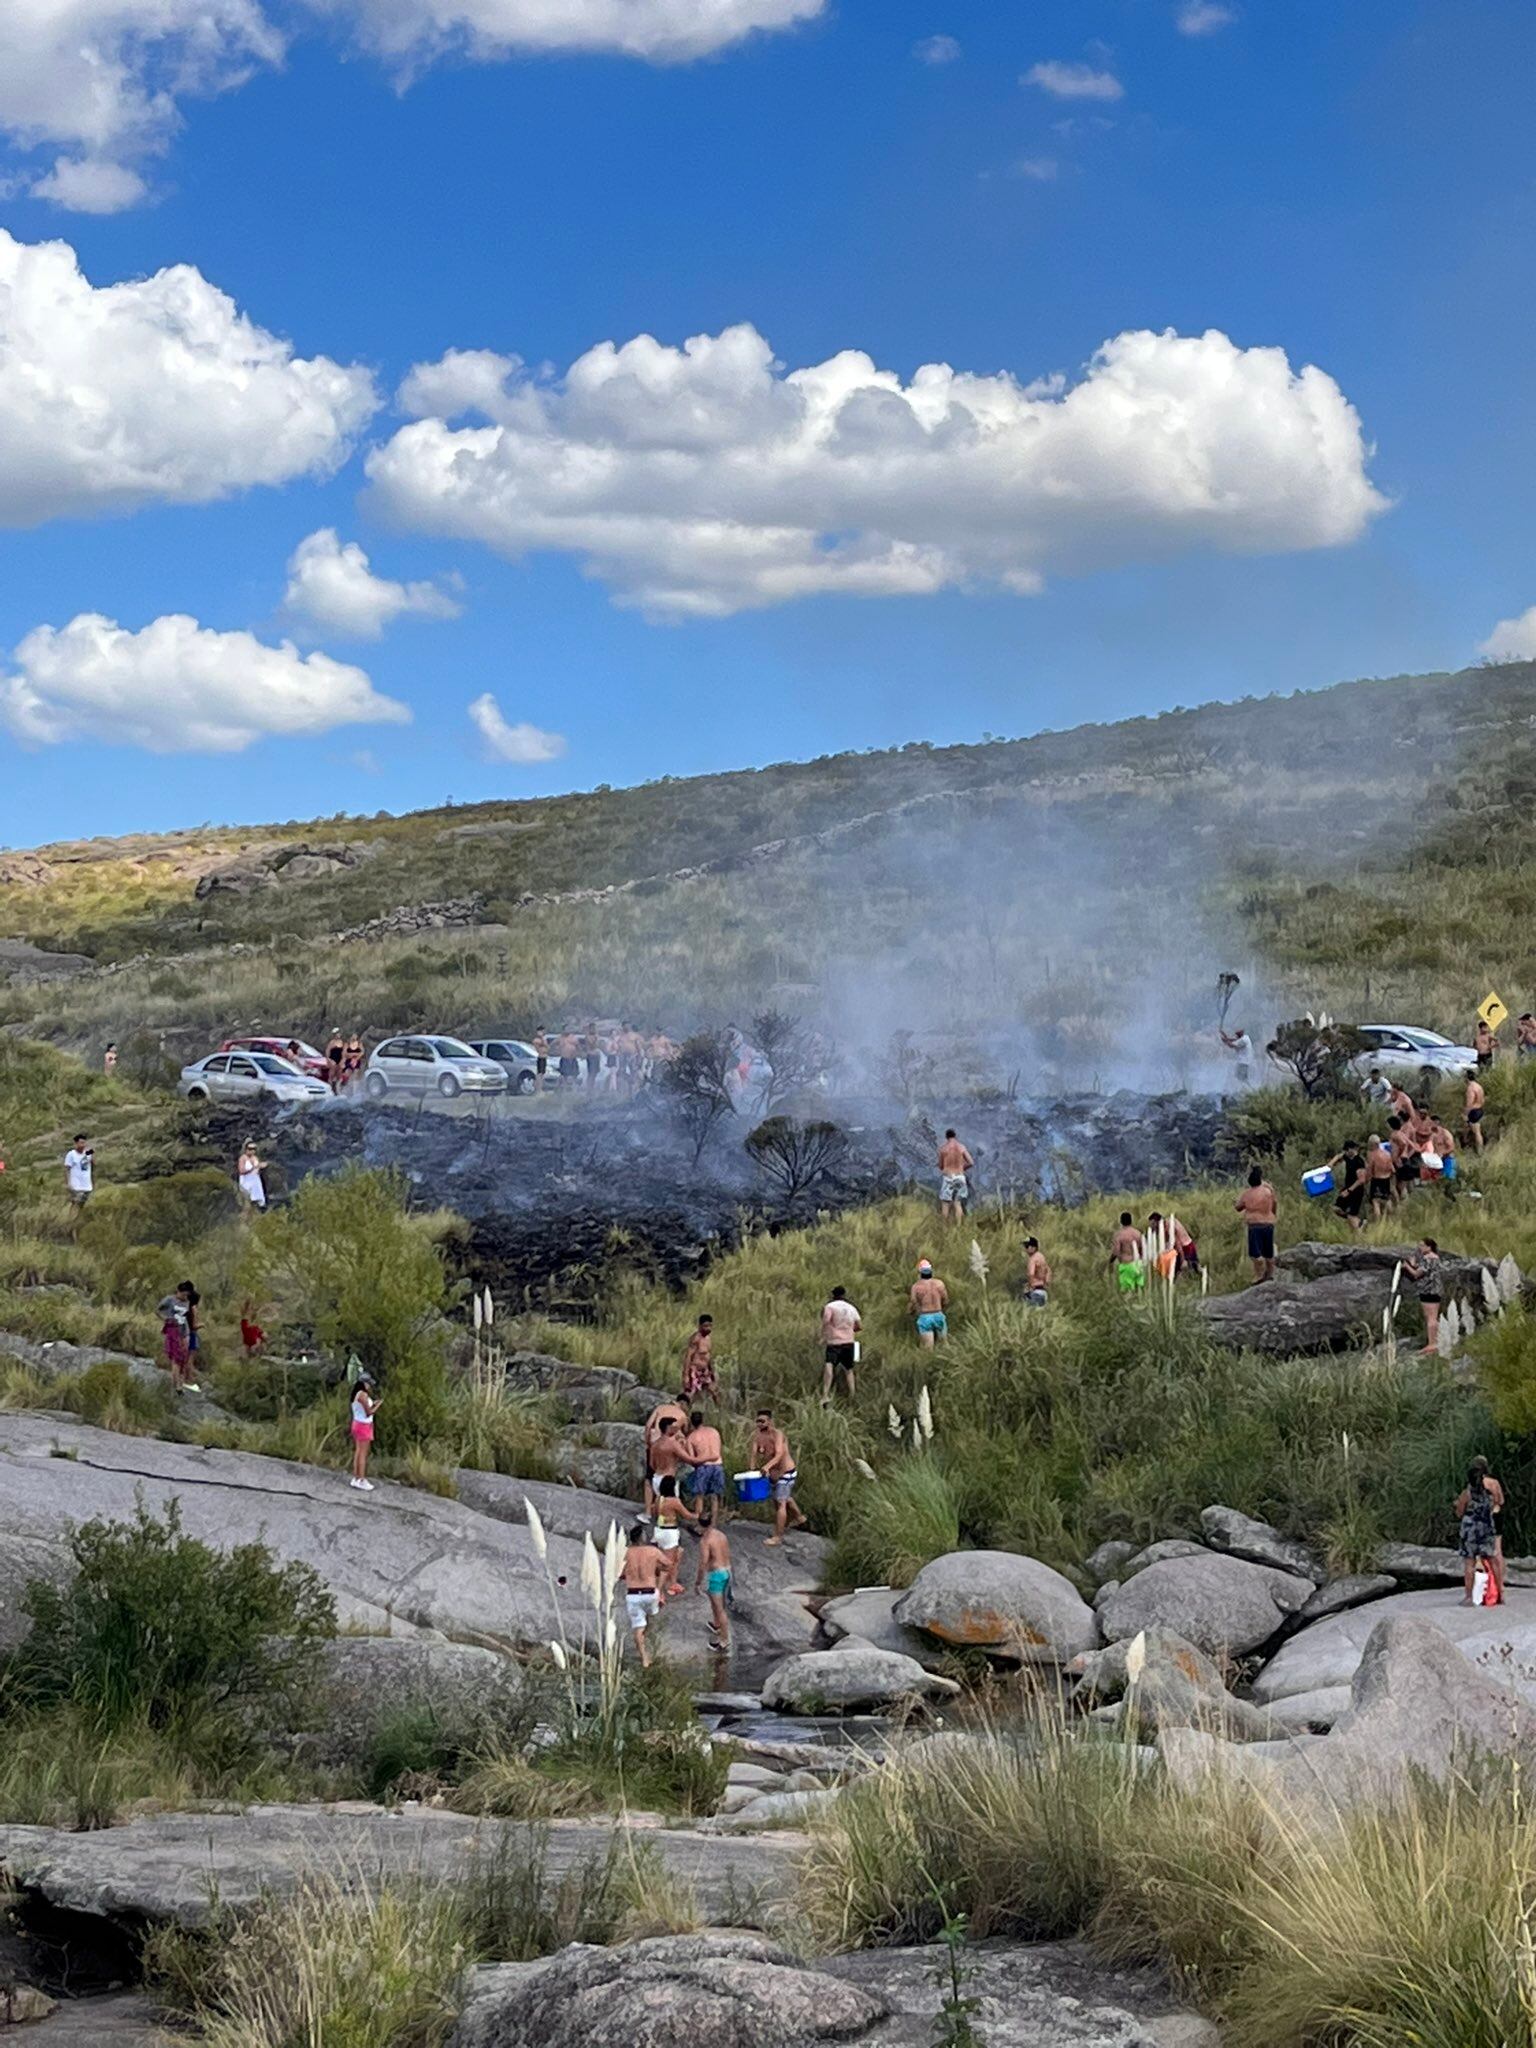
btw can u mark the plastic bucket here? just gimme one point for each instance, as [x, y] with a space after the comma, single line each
[752, 1486]
[1319, 1181]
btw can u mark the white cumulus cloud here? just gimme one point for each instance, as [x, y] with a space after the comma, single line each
[90, 184]
[157, 390]
[1203, 17]
[1074, 81]
[524, 744]
[331, 585]
[936, 50]
[707, 480]
[178, 688]
[107, 77]
[1513, 639]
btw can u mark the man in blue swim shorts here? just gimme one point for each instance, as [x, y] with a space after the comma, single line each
[929, 1300]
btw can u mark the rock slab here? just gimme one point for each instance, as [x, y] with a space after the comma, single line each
[1223, 1605]
[997, 1601]
[852, 1674]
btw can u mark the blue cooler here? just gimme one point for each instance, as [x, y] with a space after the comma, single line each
[1318, 1182]
[752, 1486]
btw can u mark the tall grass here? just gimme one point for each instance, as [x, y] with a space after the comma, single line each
[1299, 1927]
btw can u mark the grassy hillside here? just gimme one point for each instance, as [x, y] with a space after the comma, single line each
[1361, 848]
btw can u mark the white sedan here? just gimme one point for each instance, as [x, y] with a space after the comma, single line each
[248, 1077]
[1407, 1052]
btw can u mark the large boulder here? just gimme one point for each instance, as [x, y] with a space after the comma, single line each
[997, 1601]
[1417, 1709]
[1355, 1589]
[870, 1614]
[587, 1393]
[1462, 1278]
[1259, 1542]
[604, 1457]
[696, 1990]
[1178, 1686]
[1223, 1605]
[1328, 1653]
[366, 1683]
[1301, 1318]
[854, 1674]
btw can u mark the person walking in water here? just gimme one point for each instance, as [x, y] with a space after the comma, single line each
[714, 1574]
[1259, 1208]
[643, 1568]
[955, 1164]
[1128, 1256]
[929, 1301]
[1477, 1508]
[365, 1403]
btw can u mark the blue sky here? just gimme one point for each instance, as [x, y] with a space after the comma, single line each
[1351, 185]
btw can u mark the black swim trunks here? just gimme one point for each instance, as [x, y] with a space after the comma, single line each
[1261, 1240]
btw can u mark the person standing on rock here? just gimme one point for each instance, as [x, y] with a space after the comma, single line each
[772, 1457]
[643, 1567]
[1037, 1274]
[1477, 1508]
[1424, 1271]
[714, 1574]
[666, 1452]
[700, 1380]
[1477, 1103]
[671, 1513]
[1128, 1256]
[708, 1454]
[955, 1164]
[1259, 1207]
[839, 1329]
[928, 1299]
[365, 1404]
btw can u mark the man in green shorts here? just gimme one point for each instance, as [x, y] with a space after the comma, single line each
[714, 1574]
[1128, 1256]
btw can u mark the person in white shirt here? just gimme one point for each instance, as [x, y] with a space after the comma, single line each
[248, 1171]
[79, 1167]
[840, 1327]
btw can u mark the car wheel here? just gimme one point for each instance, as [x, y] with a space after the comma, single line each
[524, 1084]
[376, 1087]
[448, 1085]
[197, 1095]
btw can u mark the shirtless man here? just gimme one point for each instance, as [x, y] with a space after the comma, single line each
[1171, 1234]
[1128, 1256]
[1380, 1175]
[928, 1299]
[1477, 1102]
[1037, 1274]
[954, 1189]
[1525, 1036]
[772, 1457]
[664, 1446]
[568, 1051]
[708, 1455]
[714, 1575]
[1405, 1154]
[1402, 1101]
[1260, 1211]
[1485, 1043]
[643, 1567]
[840, 1327]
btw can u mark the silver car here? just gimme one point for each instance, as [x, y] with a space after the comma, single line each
[1408, 1051]
[427, 1066]
[248, 1077]
[516, 1058]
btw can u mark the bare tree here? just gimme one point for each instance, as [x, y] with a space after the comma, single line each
[793, 1058]
[696, 1085]
[905, 1072]
[794, 1155]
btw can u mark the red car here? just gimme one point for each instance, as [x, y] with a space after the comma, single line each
[307, 1060]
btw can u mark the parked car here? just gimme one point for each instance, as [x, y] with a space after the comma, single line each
[422, 1066]
[1407, 1052]
[517, 1059]
[308, 1060]
[248, 1077]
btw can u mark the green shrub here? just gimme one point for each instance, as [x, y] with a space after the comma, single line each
[201, 1645]
[895, 1524]
[346, 1261]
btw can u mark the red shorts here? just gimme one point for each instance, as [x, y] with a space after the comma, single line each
[362, 1432]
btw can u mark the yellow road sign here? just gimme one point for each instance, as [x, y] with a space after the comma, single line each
[1493, 1012]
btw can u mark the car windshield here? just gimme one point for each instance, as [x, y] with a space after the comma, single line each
[1428, 1040]
[269, 1063]
[451, 1049]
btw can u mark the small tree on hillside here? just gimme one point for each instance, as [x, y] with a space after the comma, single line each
[793, 1058]
[794, 1156]
[696, 1085]
[1320, 1056]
